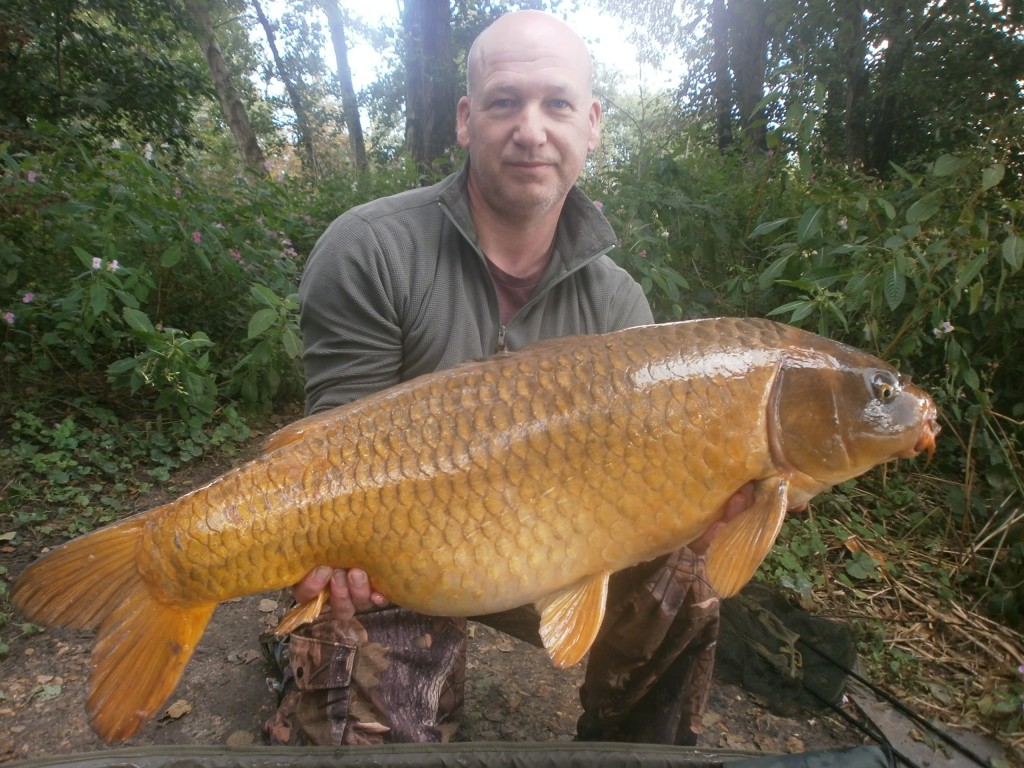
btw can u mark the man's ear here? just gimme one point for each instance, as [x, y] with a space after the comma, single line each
[462, 122]
[595, 126]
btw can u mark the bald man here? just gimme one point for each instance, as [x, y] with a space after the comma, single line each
[503, 253]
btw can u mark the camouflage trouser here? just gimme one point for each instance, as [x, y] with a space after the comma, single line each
[397, 676]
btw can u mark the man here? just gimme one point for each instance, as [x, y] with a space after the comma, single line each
[502, 254]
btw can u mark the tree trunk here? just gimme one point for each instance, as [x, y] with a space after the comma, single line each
[900, 27]
[430, 74]
[851, 48]
[298, 107]
[749, 23]
[349, 105]
[720, 72]
[230, 103]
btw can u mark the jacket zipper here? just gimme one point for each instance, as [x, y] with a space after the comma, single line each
[502, 327]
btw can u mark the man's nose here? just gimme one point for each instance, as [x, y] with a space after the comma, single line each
[530, 127]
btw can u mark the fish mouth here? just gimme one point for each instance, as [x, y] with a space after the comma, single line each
[926, 440]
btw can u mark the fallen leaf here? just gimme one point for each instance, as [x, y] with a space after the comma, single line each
[245, 657]
[240, 739]
[179, 709]
[47, 692]
[267, 605]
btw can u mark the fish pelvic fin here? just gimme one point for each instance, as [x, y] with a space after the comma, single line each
[301, 614]
[744, 542]
[143, 640]
[571, 618]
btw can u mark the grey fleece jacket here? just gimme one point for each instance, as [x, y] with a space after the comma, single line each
[398, 287]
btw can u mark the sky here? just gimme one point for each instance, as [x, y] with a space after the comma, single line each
[604, 34]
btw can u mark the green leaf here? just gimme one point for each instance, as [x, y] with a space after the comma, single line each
[292, 343]
[923, 209]
[967, 275]
[261, 321]
[137, 320]
[767, 227]
[800, 308]
[992, 176]
[894, 286]
[810, 224]
[83, 256]
[170, 257]
[1013, 251]
[862, 566]
[264, 295]
[946, 165]
[770, 275]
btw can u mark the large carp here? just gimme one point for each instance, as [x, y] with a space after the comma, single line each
[527, 478]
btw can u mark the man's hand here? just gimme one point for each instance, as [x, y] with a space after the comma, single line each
[351, 591]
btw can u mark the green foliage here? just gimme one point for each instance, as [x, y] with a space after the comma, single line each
[119, 65]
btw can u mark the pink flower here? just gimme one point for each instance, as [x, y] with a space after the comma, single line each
[31, 176]
[113, 266]
[642, 254]
[237, 256]
[599, 205]
[9, 318]
[197, 236]
[97, 262]
[28, 298]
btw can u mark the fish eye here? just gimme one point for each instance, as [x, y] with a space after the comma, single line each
[885, 386]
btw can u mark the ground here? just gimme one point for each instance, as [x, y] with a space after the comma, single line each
[513, 692]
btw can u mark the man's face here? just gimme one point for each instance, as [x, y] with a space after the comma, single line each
[529, 119]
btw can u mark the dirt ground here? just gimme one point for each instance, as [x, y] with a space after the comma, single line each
[513, 694]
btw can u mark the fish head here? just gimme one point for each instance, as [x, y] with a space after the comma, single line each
[834, 416]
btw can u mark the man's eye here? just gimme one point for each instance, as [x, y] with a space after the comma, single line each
[502, 104]
[560, 104]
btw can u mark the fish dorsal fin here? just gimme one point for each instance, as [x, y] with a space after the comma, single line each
[570, 619]
[744, 541]
[290, 433]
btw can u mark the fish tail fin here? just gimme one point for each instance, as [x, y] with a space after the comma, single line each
[744, 542]
[143, 642]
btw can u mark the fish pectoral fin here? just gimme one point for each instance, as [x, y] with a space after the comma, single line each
[571, 618]
[744, 542]
[303, 613]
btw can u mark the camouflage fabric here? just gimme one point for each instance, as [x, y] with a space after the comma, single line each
[394, 676]
[649, 672]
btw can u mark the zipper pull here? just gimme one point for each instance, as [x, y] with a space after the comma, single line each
[501, 339]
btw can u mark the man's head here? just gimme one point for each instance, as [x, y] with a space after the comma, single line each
[530, 117]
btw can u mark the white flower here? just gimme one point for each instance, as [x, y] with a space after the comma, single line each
[943, 330]
[97, 262]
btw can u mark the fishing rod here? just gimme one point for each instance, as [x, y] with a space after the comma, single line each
[899, 706]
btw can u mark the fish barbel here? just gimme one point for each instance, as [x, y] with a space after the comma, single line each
[531, 477]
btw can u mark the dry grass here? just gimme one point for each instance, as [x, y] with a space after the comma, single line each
[940, 654]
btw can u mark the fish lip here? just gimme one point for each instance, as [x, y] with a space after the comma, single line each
[926, 440]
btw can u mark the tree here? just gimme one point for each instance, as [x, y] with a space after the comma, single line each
[234, 111]
[302, 122]
[430, 79]
[117, 65]
[350, 106]
[884, 81]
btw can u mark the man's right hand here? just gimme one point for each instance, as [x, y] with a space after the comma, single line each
[350, 590]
